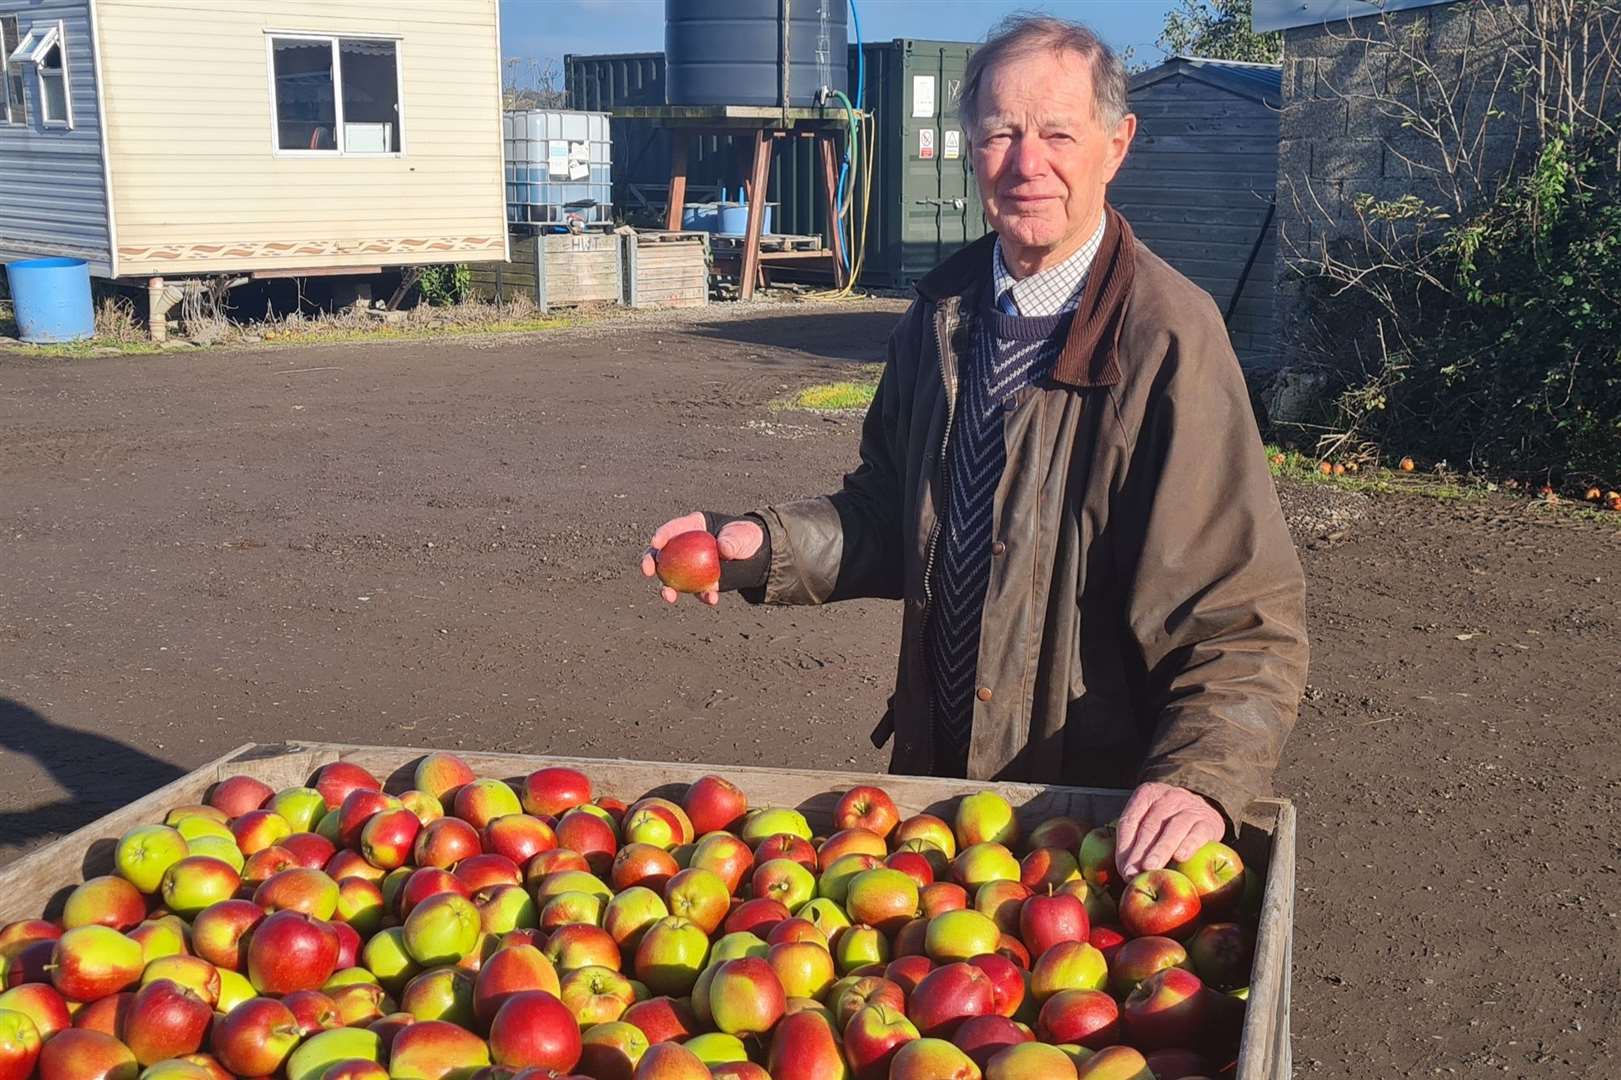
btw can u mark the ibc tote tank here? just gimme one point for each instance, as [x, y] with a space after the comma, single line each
[727, 52]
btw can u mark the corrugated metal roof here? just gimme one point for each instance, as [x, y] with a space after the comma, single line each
[1287, 14]
[1259, 82]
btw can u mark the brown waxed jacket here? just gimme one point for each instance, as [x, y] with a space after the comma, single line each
[1145, 614]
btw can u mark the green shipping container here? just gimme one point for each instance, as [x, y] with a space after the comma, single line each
[924, 205]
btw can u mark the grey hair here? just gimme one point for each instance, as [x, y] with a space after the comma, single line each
[1020, 35]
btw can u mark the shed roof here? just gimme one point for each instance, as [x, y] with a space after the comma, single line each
[1258, 82]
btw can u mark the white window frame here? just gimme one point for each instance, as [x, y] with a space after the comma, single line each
[5, 76]
[35, 45]
[339, 135]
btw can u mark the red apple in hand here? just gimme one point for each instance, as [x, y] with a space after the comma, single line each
[689, 562]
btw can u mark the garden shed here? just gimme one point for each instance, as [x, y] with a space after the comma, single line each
[1200, 183]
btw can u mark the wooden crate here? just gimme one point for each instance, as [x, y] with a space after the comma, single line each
[40, 881]
[556, 270]
[666, 270]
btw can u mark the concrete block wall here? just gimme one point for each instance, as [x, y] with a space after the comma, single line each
[1341, 130]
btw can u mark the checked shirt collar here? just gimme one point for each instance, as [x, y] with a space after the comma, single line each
[1054, 290]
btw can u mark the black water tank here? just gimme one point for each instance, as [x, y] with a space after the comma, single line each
[726, 52]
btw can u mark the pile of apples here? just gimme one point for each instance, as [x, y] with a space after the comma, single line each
[482, 930]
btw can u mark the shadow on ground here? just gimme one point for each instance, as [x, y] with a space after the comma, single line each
[829, 334]
[99, 773]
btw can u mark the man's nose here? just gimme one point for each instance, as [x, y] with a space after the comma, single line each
[1029, 157]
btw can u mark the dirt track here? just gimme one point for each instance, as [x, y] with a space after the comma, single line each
[433, 544]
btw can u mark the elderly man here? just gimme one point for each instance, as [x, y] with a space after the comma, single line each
[1061, 480]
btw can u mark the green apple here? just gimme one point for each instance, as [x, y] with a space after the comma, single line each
[222, 848]
[736, 946]
[771, 820]
[143, 855]
[234, 990]
[443, 929]
[195, 826]
[303, 807]
[986, 818]
[325, 1049]
[717, 1048]
[386, 957]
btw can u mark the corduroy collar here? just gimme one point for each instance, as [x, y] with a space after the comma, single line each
[1090, 357]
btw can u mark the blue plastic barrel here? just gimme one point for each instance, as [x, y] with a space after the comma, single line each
[734, 219]
[700, 216]
[51, 300]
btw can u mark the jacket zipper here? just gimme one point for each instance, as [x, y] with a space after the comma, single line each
[949, 380]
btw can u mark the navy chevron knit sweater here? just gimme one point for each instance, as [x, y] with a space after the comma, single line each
[1010, 353]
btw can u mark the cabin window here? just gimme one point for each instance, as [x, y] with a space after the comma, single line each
[45, 49]
[336, 95]
[13, 107]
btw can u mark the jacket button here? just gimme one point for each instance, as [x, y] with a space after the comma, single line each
[998, 548]
[984, 693]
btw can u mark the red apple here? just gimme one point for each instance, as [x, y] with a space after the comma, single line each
[1030, 1061]
[882, 897]
[786, 846]
[1088, 1018]
[941, 897]
[310, 850]
[596, 995]
[555, 791]
[511, 970]
[488, 870]
[291, 951]
[804, 1047]
[189, 972]
[725, 855]
[1059, 832]
[555, 861]
[266, 863]
[259, 829]
[89, 962]
[105, 1015]
[435, 1049]
[1106, 940]
[580, 945]
[759, 916]
[312, 1011]
[1007, 982]
[850, 842]
[714, 804]
[533, 1029]
[336, 780]
[939, 865]
[42, 1004]
[1222, 954]
[1139, 958]
[446, 842]
[357, 809]
[866, 807]
[796, 929]
[629, 914]
[932, 1059]
[482, 801]
[519, 837]
[1166, 1010]
[689, 562]
[31, 962]
[913, 865]
[982, 1037]
[77, 1054]
[852, 994]
[949, 995]
[1045, 869]
[872, 1038]
[388, 837]
[699, 896]
[355, 1069]
[908, 971]
[1159, 902]
[671, 1061]
[663, 1019]
[237, 795]
[361, 905]
[104, 901]
[589, 835]
[428, 882]
[20, 1045]
[610, 1051]
[359, 1004]
[346, 864]
[746, 997]
[441, 774]
[1002, 901]
[1044, 921]
[298, 889]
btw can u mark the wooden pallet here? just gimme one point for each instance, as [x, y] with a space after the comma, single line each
[773, 242]
[39, 882]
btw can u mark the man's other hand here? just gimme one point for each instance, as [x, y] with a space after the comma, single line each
[736, 540]
[1161, 823]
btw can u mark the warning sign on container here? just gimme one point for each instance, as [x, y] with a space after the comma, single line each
[953, 148]
[925, 144]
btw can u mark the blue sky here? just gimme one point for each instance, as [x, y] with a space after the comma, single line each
[549, 28]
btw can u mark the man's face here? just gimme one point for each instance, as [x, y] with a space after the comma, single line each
[1041, 157]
